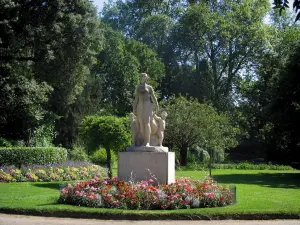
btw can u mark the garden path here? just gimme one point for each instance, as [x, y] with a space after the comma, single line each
[6, 219]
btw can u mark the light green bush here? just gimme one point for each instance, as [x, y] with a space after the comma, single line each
[78, 154]
[99, 157]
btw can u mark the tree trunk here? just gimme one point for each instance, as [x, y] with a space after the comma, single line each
[108, 160]
[183, 156]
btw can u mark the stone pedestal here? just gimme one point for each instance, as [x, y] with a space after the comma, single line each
[141, 165]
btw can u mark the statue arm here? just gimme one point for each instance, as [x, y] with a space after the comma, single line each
[154, 99]
[135, 102]
[156, 117]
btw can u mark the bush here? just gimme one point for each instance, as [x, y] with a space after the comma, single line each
[29, 155]
[4, 142]
[78, 154]
[99, 157]
[43, 136]
[251, 166]
[63, 172]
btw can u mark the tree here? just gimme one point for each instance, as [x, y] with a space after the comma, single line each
[51, 43]
[256, 90]
[190, 123]
[109, 132]
[119, 66]
[282, 5]
[285, 111]
[227, 37]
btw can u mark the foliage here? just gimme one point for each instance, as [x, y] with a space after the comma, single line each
[119, 65]
[225, 37]
[106, 131]
[30, 155]
[43, 136]
[4, 142]
[99, 157]
[282, 5]
[110, 193]
[284, 111]
[191, 123]
[251, 166]
[47, 48]
[50, 173]
[109, 132]
[204, 46]
[78, 154]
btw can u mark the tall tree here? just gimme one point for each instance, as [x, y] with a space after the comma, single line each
[228, 37]
[119, 66]
[54, 42]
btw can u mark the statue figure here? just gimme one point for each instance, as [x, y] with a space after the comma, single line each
[161, 126]
[135, 128]
[142, 108]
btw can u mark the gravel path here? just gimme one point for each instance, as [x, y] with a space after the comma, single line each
[6, 219]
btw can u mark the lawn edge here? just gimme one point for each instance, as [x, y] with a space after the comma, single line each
[152, 216]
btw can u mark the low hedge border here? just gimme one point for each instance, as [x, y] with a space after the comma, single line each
[105, 215]
[20, 156]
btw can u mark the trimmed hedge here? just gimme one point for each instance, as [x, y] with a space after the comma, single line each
[19, 156]
[251, 166]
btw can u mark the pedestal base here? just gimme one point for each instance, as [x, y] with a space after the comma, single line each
[138, 166]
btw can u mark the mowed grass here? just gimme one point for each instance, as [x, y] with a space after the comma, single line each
[258, 192]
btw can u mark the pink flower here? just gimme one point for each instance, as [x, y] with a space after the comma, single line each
[70, 186]
[64, 190]
[150, 181]
[93, 189]
[209, 195]
[91, 196]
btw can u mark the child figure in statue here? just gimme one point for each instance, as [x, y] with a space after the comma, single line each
[142, 108]
[161, 126]
[135, 129]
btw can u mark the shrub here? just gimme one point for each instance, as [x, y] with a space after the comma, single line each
[68, 171]
[110, 193]
[99, 157]
[251, 166]
[78, 154]
[28, 155]
[43, 136]
[4, 142]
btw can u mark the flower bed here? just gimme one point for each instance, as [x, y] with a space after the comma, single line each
[38, 173]
[111, 193]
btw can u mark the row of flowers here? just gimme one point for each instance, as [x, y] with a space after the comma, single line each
[111, 193]
[50, 173]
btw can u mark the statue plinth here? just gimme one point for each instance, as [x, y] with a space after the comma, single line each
[141, 165]
[147, 149]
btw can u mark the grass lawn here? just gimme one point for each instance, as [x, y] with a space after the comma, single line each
[259, 192]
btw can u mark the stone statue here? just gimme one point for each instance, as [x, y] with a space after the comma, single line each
[142, 108]
[161, 126]
[135, 129]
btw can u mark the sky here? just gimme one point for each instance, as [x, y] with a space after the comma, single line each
[99, 4]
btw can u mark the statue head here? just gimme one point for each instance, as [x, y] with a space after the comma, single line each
[131, 117]
[164, 115]
[144, 77]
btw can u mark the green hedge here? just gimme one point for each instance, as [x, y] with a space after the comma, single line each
[29, 155]
[251, 166]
